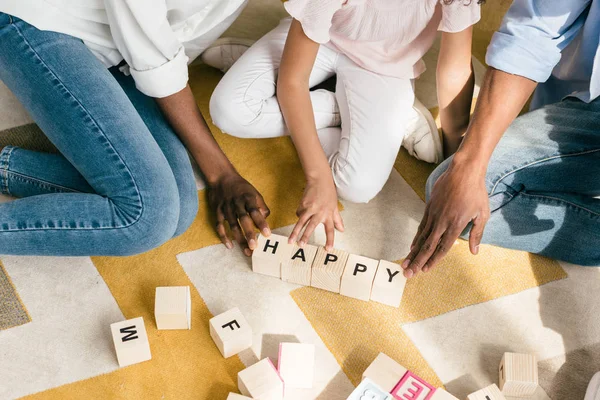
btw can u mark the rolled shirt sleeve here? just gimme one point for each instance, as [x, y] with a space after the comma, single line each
[533, 34]
[141, 31]
[459, 15]
[315, 16]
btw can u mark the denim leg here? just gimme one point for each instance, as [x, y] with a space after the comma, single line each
[85, 113]
[542, 181]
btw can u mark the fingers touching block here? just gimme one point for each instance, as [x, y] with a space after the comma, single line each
[389, 284]
[261, 381]
[173, 307]
[231, 332]
[296, 364]
[518, 374]
[270, 252]
[489, 393]
[298, 267]
[358, 276]
[328, 268]
[131, 341]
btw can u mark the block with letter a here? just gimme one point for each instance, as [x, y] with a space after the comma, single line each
[328, 268]
[369, 390]
[231, 332]
[131, 341]
[411, 387]
[389, 284]
[357, 280]
[489, 393]
[270, 252]
[298, 267]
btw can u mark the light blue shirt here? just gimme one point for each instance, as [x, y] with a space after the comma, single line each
[554, 42]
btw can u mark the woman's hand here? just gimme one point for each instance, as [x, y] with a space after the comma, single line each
[319, 205]
[458, 198]
[237, 202]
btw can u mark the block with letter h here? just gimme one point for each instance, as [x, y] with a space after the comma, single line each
[131, 341]
[270, 252]
[231, 332]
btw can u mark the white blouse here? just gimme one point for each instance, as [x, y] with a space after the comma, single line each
[157, 38]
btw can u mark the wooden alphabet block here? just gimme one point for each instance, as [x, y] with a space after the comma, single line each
[385, 372]
[173, 307]
[389, 284]
[131, 341]
[411, 387]
[369, 390]
[261, 381]
[235, 396]
[231, 332]
[489, 393]
[357, 279]
[270, 252]
[518, 374]
[328, 268]
[441, 394]
[296, 364]
[298, 268]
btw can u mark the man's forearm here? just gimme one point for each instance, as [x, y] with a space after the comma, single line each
[501, 99]
[183, 114]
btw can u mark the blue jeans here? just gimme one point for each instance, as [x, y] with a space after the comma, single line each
[123, 183]
[542, 180]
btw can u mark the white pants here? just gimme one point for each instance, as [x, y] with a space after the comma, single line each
[373, 111]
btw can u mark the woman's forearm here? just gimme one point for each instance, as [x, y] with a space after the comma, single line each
[182, 112]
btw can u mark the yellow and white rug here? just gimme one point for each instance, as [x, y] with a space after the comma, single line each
[452, 327]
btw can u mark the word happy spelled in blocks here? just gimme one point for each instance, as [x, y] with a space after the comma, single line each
[369, 390]
[173, 307]
[235, 396]
[296, 364]
[261, 381]
[385, 372]
[518, 374]
[328, 268]
[131, 341]
[270, 252]
[358, 276]
[231, 332]
[411, 387]
[297, 269]
[389, 283]
[489, 393]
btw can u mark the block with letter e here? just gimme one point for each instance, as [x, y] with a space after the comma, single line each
[298, 267]
[231, 332]
[389, 284]
[270, 252]
[328, 268]
[357, 280]
[411, 387]
[131, 341]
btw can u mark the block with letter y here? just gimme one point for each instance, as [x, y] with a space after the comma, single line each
[131, 341]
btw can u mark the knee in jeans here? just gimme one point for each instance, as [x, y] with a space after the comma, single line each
[188, 209]
[435, 175]
[227, 115]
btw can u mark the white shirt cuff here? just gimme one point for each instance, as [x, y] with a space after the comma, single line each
[165, 80]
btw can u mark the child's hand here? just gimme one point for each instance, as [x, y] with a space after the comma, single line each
[319, 205]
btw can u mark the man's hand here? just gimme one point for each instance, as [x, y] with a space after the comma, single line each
[458, 198]
[235, 201]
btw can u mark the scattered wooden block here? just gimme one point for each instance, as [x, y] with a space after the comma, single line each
[231, 332]
[296, 364]
[518, 374]
[411, 387]
[385, 372]
[235, 396]
[328, 268]
[298, 268]
[270, 252]
[441, 394]
[369, 390]
[491, 392]
[389, 284]
[173, 307]
[261, 381]
[131, 341]
[357, 279]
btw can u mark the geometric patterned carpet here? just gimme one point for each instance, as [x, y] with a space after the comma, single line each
[452, 327]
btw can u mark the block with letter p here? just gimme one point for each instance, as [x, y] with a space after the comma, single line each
[131, 341]
[270, 252]
[328, 268]
[357, 280]
[389, 284]
[231, 332]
